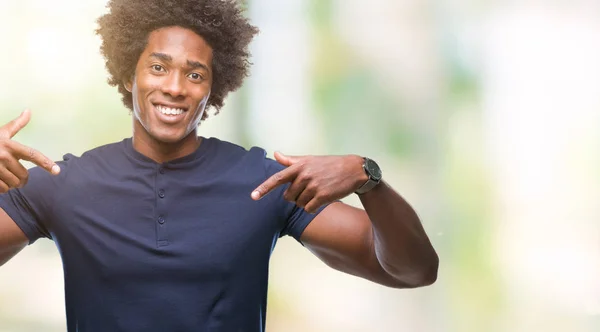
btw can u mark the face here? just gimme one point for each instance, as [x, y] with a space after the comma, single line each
[172, 84]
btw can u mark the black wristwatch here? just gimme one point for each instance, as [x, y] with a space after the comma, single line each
[373, 172]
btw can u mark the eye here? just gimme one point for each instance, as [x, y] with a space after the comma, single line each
[157, 68]
[195, 76]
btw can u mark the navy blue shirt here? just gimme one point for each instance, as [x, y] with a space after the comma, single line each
[178, 246]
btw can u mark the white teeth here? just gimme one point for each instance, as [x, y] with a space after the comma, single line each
[169, 111]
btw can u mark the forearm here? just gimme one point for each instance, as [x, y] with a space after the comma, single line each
[400, 243]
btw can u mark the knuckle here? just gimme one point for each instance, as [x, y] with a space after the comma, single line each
[31, 153]
[46, 163]
[12, 182]
[321, 195]
[312, 188]
[262, 188]
[325, 193]
[305, 176]
[5, 155]
[278, 177]
[23, 180]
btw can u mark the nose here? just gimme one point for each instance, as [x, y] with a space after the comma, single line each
[174, 85]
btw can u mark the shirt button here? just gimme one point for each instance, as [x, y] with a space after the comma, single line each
[161, 170]
[161, 194]
[161, 220]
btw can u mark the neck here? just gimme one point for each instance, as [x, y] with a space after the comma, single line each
[162, 152]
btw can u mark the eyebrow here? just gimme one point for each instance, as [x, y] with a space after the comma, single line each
[190, 63]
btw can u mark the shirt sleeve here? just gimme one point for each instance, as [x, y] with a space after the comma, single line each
[30, 207]
[295, 219]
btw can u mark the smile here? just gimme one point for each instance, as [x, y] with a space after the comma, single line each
[169, 110]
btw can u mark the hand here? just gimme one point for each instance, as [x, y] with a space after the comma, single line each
[12, 173]
[315, 180]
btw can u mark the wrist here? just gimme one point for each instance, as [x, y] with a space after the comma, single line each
[362, 176]
[372, 176]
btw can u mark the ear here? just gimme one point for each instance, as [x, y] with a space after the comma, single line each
[127, 85]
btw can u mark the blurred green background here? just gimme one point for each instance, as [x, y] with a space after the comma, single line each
[485, 115]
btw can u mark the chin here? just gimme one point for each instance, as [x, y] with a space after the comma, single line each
[169, 138]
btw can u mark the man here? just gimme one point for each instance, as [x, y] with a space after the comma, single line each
[170, 231]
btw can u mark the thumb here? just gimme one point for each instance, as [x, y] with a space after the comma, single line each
[12, 128]
[286, 160]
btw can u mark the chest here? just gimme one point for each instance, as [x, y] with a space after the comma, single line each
[155, 226]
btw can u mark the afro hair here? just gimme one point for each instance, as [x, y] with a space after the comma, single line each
[124, 31]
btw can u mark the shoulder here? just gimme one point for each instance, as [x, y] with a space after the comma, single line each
[101, 152]
[90, 162]
[104, 155]
[231, 153]
[41, 181]
[238, 161]
[232, 150]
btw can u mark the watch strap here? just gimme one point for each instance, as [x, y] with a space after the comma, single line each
[370, 184]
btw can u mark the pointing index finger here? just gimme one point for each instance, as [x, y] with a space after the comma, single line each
[30, 154]
[13, 127]
[277, 179]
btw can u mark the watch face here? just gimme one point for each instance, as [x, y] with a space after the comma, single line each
[373, 169]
